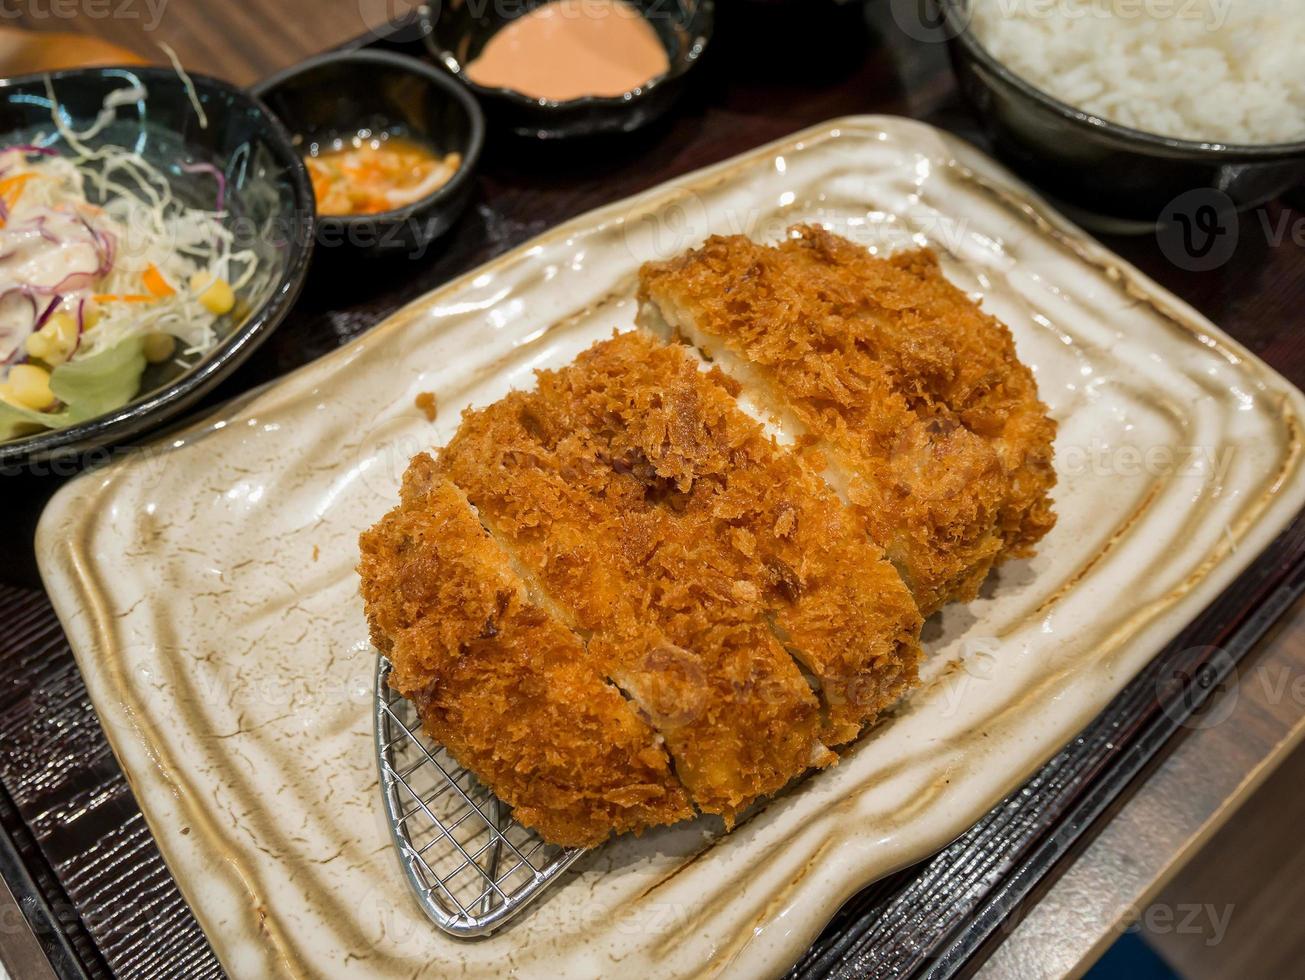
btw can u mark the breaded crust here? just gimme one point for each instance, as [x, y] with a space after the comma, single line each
[794, 555]
[641, 497]
[505, 687]
[736, 715]
[913, 398]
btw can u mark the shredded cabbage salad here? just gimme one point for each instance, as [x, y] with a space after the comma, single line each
[102, 271]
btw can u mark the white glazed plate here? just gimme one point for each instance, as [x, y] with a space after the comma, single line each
[207, 585]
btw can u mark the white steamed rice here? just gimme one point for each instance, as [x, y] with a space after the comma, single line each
[1227, 71]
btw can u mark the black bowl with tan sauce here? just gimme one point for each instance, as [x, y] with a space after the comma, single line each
[456, 31]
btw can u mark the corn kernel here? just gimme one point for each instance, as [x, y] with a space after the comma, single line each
[90, 315]
[60, 332]
[214, 292]
[29, 387]
[159, 347]
[62, 325]
[39, 346]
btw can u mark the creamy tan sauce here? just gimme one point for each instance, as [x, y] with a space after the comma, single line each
[569, 49]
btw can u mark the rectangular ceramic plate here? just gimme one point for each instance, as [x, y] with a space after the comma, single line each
[208, 589]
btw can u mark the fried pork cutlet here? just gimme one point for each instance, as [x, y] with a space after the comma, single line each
[736, 715]
[910, 398]
[505, 687]
[637, 492]
[829, 595]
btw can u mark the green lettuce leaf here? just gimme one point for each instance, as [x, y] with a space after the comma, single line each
[94, 385]
[16, 421]
[87, 387]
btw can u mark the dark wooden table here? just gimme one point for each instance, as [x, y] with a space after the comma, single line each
[64, 801]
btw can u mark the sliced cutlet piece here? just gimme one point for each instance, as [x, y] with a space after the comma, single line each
[912, 399]
[505, 687]
[655, 596]
[756, 512]
[989, 390]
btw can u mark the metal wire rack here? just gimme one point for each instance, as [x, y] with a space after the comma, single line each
[470, 865]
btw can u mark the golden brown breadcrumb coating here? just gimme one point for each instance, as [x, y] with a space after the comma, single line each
[505, 687]
[640, 497]
[615, 597]
[736, 715]
[794, 554]
[910, 395]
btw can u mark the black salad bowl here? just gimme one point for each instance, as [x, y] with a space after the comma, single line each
[268, 206]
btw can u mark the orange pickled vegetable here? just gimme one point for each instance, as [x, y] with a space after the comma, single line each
[375, 175]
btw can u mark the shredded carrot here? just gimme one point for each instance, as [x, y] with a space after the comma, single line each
[14, 183]
[155, 283]
[11, 189]
[122, 298]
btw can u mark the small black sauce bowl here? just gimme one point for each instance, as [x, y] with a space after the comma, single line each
[270, 209]
[342, 93]
[1106, 169]
[456, 31]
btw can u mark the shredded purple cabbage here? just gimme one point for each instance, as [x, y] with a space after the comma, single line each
[215, 173]
[81, 326]
[45, 232]
[44, 318]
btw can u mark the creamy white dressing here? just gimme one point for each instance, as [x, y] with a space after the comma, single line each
[16, 315]
[99, 257]
[50, 251]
